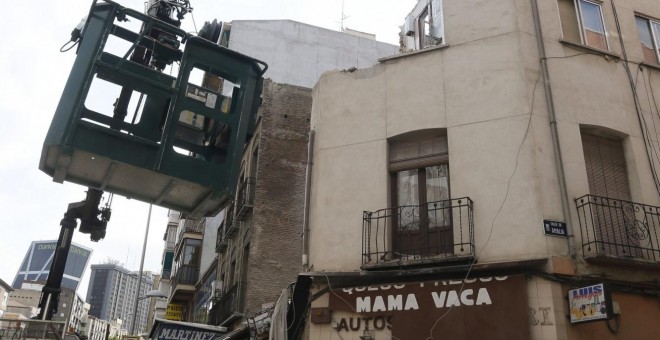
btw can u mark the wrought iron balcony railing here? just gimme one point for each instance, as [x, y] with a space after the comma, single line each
[232, 229]
[228, 227]
[245, 198]
[231, 302]
[194, 225]
[229, 214]
[438, 231]
[221, 242]
[618, 228]
[191, 226]
[185, 275]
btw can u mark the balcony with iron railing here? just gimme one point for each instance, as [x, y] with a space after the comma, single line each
[229, 213]
[616, 230]
[190, 229]
[229, 305]
[221, 241]
[185, 275]
[245, 198]
[191, 226]
[435, 232]
[232, 229]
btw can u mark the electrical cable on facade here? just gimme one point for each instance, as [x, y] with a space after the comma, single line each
[648, 142]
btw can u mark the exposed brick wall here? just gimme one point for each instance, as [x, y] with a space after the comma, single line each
[276, 240]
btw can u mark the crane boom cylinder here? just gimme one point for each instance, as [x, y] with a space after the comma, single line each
[51, 291]
[93, 221]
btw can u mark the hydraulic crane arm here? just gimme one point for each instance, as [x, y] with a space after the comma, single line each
[93, 221]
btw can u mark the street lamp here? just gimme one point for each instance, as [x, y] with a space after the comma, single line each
[144, 250]
[155, 293]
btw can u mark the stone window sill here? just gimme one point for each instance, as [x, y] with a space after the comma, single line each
[411, 53]
[591, 50]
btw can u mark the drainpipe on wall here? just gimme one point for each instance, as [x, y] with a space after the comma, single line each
[308, 185]
[553, 127]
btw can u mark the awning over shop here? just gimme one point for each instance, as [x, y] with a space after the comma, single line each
[178, 330]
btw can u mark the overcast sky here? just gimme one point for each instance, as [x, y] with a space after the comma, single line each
[33, 74]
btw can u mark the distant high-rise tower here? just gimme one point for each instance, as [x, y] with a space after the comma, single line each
[37, 261]
[112, 293]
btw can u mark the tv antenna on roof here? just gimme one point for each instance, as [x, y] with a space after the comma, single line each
[343, 15]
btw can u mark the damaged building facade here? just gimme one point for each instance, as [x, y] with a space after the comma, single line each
[497, 179]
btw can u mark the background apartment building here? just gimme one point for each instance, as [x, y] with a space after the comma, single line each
[5, 290]
[185, 265]
[39, 257]
[112, 293]
[259, 247]
[163, 282]
[71, 308]
[442, 177]
[298, 53]
[237, 273]
[259, 242]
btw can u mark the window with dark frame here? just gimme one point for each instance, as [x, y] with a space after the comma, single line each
[582, 23]
[649, 36]
[192, 252]
[419, 171]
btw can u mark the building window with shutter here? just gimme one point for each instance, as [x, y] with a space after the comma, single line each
[613, 212]
[606, 167]
[419, 171]
[649, 36]
[582, 23]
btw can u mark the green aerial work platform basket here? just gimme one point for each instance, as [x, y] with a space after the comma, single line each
[182, 146]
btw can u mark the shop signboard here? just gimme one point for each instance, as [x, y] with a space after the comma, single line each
[444, 309]
[174, 312]
[176, 330]
[591, 303]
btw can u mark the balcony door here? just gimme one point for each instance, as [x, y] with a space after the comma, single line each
[420, 199]
[614, 213]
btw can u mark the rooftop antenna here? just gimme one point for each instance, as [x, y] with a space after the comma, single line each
[343, 15]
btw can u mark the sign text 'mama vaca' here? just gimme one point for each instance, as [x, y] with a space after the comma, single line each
[443, 299]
